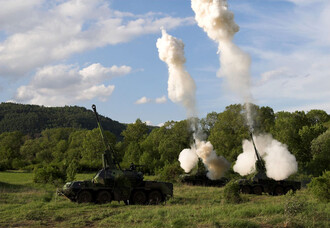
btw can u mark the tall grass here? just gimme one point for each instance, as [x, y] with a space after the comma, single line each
[25, 204]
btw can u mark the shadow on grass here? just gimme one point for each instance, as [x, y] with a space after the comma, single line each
[6, 187]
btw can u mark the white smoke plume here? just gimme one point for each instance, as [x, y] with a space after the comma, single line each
[279, 162]
[216, 165]
[188, 159]
[218, 22]
[181, 87]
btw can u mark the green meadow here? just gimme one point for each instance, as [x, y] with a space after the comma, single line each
[26, 204]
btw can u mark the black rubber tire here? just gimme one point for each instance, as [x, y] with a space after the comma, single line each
[139, 197]
[279, 190]
[104, 197]
[257, 190]
[245, 189]
[155, 197]
[85, 197]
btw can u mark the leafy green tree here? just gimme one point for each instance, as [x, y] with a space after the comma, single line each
[286, 130]
[228, 132]
[208, 122]
[320, 152]
[320, 187]
[10, 143]
[307, 134]
[29, 150]
[265, 119]
[316, 116]
[93, 148]
[133, 136]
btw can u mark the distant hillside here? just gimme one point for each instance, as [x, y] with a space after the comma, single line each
[32, 119]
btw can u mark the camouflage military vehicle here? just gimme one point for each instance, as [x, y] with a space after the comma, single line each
[198, 176]
[260, 183]
[201, 179]
[114, 183]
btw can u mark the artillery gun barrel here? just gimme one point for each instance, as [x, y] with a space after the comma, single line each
[260, 162]
[109, 157]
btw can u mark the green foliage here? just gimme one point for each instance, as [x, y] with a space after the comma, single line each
[231, 192]
[33, 119]
[320, 187]
[320, 148]
[10, 143]
[71, 171]
[170, 172]
[293, 205]
[49, 174]
[228, 132]
[154, 148]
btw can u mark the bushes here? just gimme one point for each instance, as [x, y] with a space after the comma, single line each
[169, 172]
[49, 174]
[320, 187]
[231, 192]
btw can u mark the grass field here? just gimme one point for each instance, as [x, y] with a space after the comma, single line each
[25, 204]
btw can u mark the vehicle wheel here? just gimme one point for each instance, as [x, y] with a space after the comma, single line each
[155, 197]
[279, 190]
[104, 197]
[84, 197]
[246, 189]
[139, 197]
[257, 190]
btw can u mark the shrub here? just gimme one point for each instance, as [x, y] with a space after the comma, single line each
[18, 163]
[71, 171]
[49, 174]
[169, 172]
[294, 206]
[231, 192]
[320, 187]
[4, 165]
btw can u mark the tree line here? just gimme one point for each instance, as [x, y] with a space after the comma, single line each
[68, 150]
[33, 119]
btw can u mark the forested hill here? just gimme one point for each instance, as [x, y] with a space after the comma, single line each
[32, 119]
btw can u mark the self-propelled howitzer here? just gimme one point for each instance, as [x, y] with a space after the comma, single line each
[114, 183]
[260, 183]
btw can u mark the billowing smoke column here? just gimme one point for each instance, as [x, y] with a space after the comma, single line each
[216, 165]
[279, 162]
[182, 89]
[218, 22]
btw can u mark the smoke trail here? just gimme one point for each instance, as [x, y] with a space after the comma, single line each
[218, 22]
[181, 87]
[279, 162]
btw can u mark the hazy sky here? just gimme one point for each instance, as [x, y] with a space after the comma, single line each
[80, 52]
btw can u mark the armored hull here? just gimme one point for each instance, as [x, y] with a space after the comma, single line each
[201, 179]
[128, 187]
[270, 186]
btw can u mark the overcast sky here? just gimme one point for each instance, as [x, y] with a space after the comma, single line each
[84, 52]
